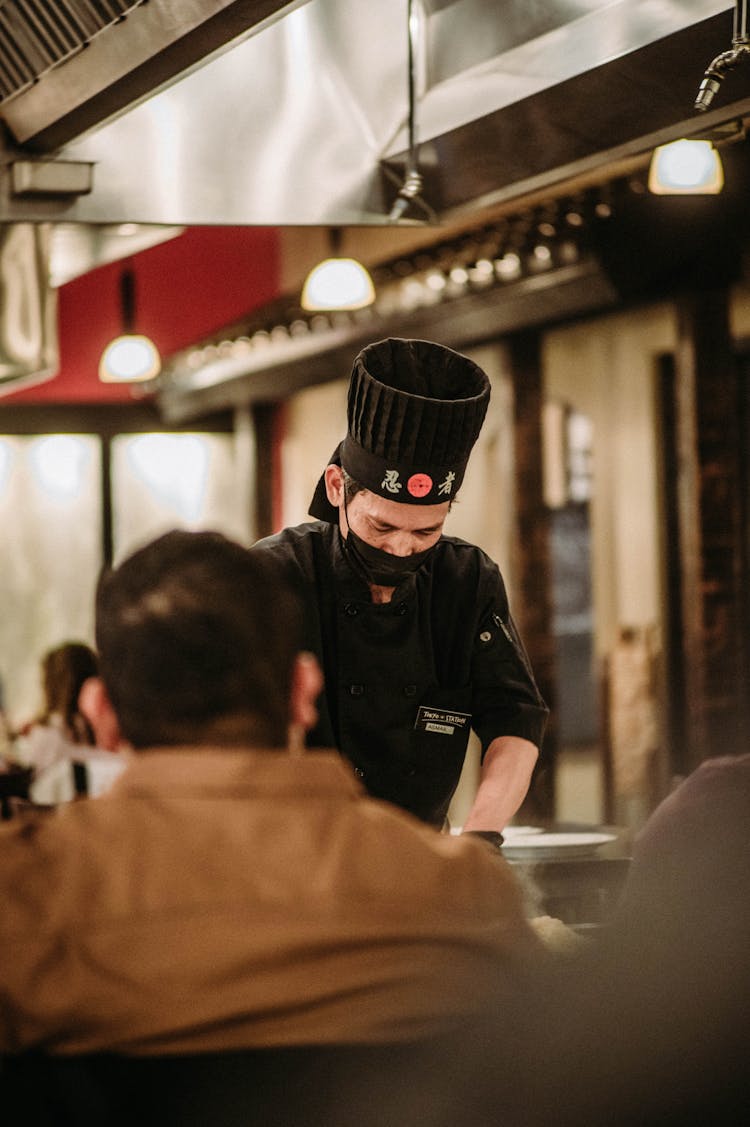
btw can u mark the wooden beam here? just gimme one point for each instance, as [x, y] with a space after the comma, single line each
[532, 557]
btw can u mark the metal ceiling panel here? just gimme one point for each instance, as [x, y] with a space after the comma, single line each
[604, 113]
[77, 248]
[481, 56]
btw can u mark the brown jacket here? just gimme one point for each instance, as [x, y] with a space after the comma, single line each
[221, 899]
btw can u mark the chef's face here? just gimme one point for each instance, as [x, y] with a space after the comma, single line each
[391, 526]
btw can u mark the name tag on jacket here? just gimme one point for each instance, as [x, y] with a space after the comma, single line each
[441, 721]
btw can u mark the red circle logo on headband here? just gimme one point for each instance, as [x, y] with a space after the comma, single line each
[419, 484]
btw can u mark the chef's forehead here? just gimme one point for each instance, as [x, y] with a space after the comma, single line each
[398, 514]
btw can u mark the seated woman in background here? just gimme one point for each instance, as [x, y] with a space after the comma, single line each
[59, 744]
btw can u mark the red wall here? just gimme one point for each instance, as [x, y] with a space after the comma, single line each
[186, 289]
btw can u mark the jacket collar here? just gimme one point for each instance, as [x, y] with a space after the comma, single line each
[212, 771]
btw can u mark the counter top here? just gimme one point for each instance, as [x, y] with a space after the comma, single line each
[579, 890]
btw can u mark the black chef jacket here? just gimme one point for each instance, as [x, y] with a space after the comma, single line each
[406, 681]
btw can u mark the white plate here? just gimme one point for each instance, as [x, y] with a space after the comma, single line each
[521, 831]
[537, 847]
[509, 831]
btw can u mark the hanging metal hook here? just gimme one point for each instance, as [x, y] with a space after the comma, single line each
[727, 60]
[411, 188]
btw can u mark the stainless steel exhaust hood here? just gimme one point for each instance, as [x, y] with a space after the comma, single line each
[258, 112]
[199, 112]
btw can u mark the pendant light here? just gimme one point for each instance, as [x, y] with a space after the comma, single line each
[337, 283]
[130, 357]
[686, 168]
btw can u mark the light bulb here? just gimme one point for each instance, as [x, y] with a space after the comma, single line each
[338, 283]
[686, 168]
[129, 359]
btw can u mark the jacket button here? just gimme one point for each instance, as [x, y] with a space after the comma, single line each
[356, 690]
[485, 636]
[410, 690]
[401, 608]
[351, 609]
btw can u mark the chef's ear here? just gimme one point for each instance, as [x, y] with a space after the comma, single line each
[307, 685]
[94, 703]
[334, 479]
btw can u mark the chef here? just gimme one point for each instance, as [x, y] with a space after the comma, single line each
[412, 627]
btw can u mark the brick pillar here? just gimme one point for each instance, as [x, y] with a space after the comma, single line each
[531, 559]
[709, 407]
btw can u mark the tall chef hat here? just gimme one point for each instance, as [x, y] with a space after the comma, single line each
[414, 412]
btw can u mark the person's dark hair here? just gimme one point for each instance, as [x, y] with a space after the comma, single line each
[351, 487]
[64, 670]
[197, 640]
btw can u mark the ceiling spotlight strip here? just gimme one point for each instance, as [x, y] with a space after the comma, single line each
[503, 256]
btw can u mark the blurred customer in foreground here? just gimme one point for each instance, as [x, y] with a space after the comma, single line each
[648, 1028]
[661, 1035]
[232, 890]
[4, 727]
[60, 744]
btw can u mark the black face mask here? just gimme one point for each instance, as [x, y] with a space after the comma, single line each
[379, 567]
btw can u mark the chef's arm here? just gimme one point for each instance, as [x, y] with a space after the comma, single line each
[506, 775]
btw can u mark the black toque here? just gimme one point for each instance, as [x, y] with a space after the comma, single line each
[414, 412]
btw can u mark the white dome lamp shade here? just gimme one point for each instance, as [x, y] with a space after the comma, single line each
[686, 168]
[337, 283]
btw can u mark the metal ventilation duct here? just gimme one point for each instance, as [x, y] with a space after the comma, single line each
[28, 307]
[56, 90]
[36, 35]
